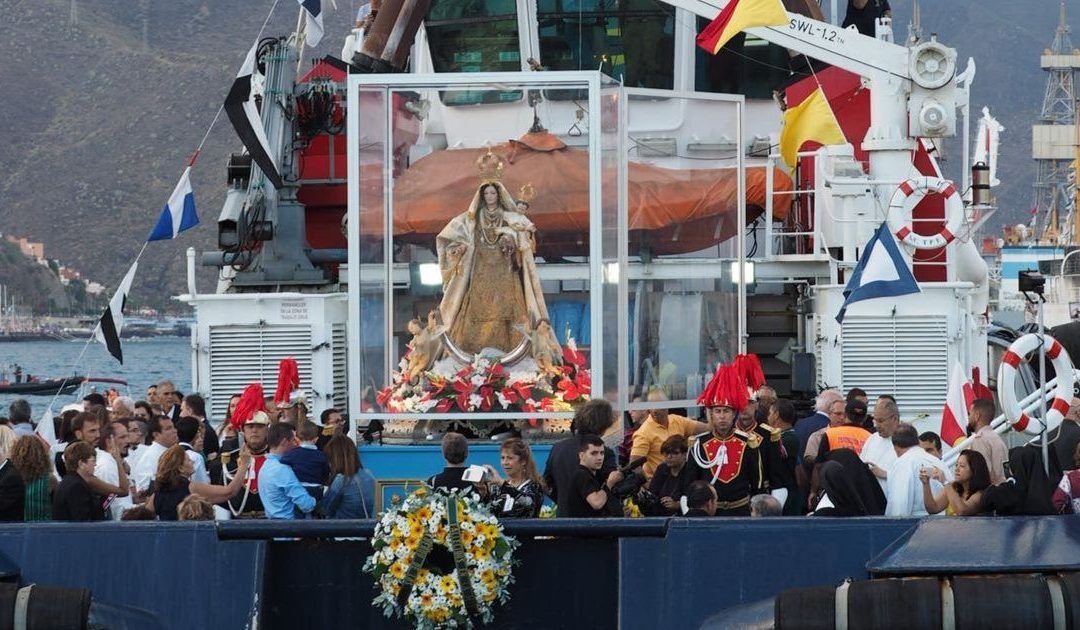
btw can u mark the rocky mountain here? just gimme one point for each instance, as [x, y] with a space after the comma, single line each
[101, 103]
[38, 288]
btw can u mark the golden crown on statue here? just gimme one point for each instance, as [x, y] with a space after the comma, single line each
[490, 167]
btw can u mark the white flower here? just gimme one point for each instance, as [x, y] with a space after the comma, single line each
[426, 405]
[475, 400]
[477, 380]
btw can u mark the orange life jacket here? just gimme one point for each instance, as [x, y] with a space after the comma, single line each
[847, 436]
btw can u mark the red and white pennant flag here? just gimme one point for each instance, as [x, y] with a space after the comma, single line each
[954, 417]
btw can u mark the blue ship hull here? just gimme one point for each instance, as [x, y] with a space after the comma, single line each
[619, 573]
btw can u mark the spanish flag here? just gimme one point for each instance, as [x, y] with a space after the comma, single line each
[738, 16]
[810, 120]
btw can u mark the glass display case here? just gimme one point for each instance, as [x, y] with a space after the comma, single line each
[509, 258]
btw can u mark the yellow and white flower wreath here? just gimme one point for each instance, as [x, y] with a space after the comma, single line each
[441, 560]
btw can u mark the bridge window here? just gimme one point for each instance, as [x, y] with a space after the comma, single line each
[745, 65]
[630, 40]
[475, 36]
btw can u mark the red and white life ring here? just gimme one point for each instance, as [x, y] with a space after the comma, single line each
[1018, 353]
[908, 194]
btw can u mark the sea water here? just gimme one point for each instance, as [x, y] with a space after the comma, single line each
[146, 361]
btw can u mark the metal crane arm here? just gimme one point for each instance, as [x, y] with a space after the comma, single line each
[842, 47]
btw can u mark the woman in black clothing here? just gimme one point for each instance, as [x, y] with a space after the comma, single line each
[1027, 491]
[73, 499]
[672, 477]
[521, 494]
[850, 486]
[172, 483]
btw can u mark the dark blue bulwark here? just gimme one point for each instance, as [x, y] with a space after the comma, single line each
[703, 566]
[984, 545]
[148, 575]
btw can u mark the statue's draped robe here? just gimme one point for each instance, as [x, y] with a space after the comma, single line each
[486, 294]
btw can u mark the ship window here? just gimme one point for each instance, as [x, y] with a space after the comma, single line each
[475, 36]
[746, 65]
[630, 40]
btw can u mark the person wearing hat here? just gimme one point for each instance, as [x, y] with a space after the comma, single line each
[723, 457]
[253, 422]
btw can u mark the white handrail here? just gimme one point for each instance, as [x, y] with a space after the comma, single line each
[1001, 425]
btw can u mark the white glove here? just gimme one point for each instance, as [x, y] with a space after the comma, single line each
[781, 496]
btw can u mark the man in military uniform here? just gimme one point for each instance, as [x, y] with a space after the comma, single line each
[766, 440]
[724, 456]
[247, 503]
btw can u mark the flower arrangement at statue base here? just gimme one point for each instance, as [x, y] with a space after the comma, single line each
[484, 384]
[441, 560]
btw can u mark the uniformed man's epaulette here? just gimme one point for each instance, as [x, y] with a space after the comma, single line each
[700, 438]
[743, 434]
[774, 433]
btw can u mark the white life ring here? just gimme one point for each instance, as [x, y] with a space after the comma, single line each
[1018, 353]
[908, 194]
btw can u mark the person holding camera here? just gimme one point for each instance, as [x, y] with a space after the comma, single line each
[588, 497]
[672, 477]
[520, 495]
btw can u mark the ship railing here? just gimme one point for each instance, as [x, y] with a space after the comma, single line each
[1030, 405]
[774, 239]
[261, 529]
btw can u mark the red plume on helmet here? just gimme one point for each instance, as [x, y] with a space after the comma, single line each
[726, 389]
[749, 367]
[251, 400]
[288, 379]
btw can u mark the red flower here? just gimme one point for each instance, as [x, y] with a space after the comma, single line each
[528, 405]
[583, 380]
[573, 356]
[497, 370]
[384, 396]
[570, 390]
[509, 394]
[444, 405]
[463, 387]
[462, 401]
[487, 398]
[523, 389]
[465, 371]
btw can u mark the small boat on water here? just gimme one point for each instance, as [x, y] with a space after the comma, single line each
[46, 387]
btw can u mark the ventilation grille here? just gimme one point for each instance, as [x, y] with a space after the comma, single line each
[904, 356]
[341, 370]
[240, 355]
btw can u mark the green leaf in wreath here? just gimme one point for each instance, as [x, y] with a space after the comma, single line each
[501, 548]
[380, 569]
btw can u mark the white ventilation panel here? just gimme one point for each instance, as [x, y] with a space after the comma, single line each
[906, 356]
[243, 354]
[341, 369]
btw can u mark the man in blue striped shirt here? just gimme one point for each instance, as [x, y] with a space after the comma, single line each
[282, 493]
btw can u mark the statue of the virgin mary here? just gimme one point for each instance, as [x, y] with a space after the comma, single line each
[491, 290]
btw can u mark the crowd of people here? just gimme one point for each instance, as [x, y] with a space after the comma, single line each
[162, 458]
[750, 456]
